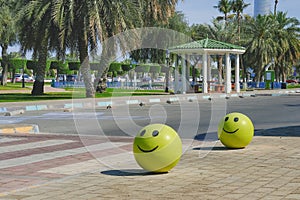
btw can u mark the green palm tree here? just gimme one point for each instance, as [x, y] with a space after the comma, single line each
[154, 11]
[76, 25]
[157, 13]
[7, 33]
[224, 33]
[286, 34]
[38, 33]
[238, 7]
[217, 31]
[86, 23]
[225, 7]
[81, 25]
[261, 46]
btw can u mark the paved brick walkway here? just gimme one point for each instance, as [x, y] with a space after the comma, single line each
[29, 160]
[58, 167]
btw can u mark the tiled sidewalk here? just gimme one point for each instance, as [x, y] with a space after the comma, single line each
[269, 168]
[30, 160]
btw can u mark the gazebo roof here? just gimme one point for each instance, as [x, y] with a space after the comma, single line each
[208, 45]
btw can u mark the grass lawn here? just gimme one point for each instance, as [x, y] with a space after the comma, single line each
[19, 97]
[292, 86]
[116, 92]
[16, 86]
[70, 93]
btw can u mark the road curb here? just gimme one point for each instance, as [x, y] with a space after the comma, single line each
[68, 106]
[7, 129]
[15, 112]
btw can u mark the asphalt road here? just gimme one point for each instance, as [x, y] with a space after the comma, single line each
[188, 119]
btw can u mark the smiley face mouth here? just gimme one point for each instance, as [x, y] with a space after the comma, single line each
[230, 132]
[147, 151]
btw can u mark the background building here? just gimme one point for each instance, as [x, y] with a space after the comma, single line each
[262, 7]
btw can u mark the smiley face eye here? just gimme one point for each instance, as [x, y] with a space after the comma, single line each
[226, 119]
[236, 119]
[155, 133]
[143, 133]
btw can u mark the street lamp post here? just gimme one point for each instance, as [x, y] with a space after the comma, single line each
[275, 7]
[168, 70]
[23, 78]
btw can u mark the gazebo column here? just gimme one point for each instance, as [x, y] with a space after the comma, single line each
[176, 74]
[183, 74]
[209, 72]
[237, 73]
[228, 74]
[204, 71]
[187, 76]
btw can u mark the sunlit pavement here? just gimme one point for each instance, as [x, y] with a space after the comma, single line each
[44, 166]
[72, 167]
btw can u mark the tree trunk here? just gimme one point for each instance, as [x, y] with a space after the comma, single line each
[107, 55]
[220, 69]
[244, 68]
[283, 71]
[277, 72]
[84, 61]
[239, 26]
[38, 86]
[4, 64]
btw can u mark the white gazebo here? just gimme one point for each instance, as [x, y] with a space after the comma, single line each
[206, 48]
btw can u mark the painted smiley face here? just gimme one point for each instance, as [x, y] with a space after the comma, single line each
[155, 133]
[236, 120]
[235, 130]
[157, 148]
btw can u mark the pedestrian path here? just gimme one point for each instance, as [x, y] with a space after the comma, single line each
[269, 168]
[30, 160]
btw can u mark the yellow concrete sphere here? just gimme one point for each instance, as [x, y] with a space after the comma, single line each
[235, 130]
[157, 148]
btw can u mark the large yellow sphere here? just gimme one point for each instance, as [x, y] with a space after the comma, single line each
[157, 148]
[235, 130]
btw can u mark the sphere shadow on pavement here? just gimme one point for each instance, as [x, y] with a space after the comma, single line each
[129, 172]
[217, 148]
[287, 131]
[212, 136]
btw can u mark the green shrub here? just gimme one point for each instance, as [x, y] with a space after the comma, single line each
[142, 68]
[17, 63]
[32, 64]
[74, 65]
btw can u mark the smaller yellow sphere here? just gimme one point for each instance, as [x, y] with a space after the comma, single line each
[157, 148]
[235, 130]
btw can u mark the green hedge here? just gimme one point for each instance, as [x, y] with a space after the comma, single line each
[61, 67]
[32, 64]
[155, 69]
[74, 65]
[126, 67]
[164, 69]
[17, 63]
[94, 66]
[142, 68]
[115, 67]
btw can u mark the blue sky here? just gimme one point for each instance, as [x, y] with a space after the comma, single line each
[202, 11]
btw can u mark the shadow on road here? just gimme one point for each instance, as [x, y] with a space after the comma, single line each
[287, 131]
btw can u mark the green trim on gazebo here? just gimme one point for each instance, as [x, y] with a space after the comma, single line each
[207, 44]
